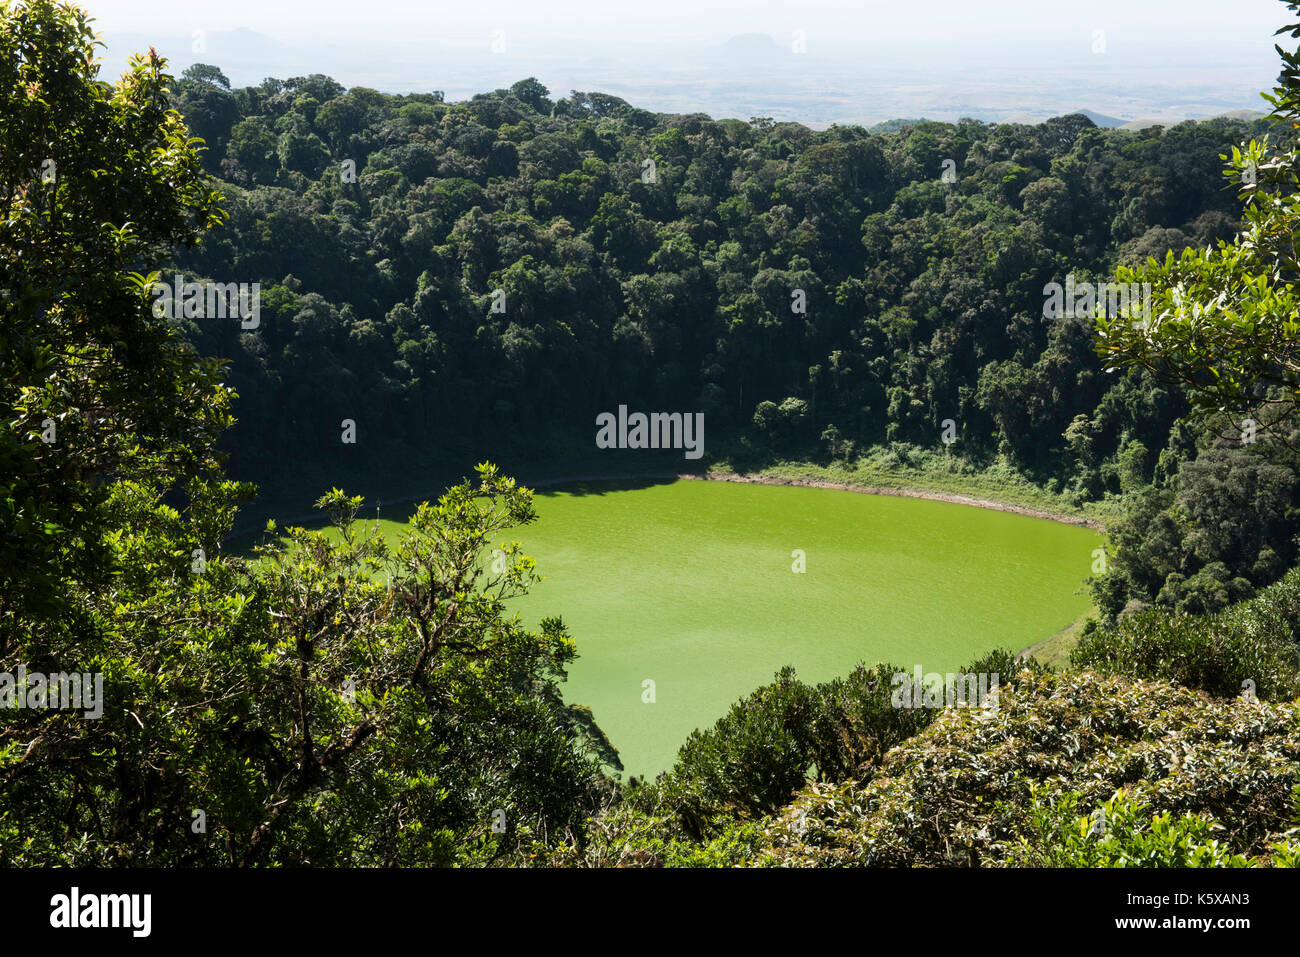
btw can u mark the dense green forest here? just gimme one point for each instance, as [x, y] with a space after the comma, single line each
[485, 278]
[815, 294]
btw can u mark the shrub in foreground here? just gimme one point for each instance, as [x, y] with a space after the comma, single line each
[966, 791]
[1255, 641]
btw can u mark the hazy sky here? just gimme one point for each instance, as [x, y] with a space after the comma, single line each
[864, 58]
[833, 22]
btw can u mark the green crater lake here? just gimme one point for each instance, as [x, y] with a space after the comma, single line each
[690, 584]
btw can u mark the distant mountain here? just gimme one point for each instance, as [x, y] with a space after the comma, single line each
[753, 46]
[1102, 120]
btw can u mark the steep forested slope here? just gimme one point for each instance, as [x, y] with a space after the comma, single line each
[484, 278]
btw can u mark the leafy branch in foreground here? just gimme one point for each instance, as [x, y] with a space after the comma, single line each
[1223, 321]
[337, 702]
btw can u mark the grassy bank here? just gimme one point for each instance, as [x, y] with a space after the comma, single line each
[937, 473]
[1055, 651]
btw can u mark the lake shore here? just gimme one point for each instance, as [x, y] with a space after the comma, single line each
[764, 479]
[755, 478]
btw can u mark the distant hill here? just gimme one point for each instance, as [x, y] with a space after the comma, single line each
[753, 46]
[1102, 120]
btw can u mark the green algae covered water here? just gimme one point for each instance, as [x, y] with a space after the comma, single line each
[691, 586]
